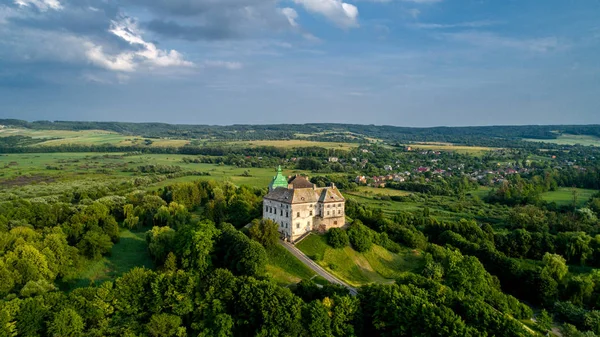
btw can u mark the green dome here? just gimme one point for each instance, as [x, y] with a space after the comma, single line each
[279, 180]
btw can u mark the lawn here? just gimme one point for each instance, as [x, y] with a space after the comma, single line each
[567, 139]
[131, 251]
[564, 196]
[285, 268]
[375, 266]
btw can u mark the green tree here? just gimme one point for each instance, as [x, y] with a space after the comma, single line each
[338, 238]
[544, 320]
[555, 266]
[360, 237]
[67, 323]
[94, 244]
[264, 231]
[316, 320]
[165, 325]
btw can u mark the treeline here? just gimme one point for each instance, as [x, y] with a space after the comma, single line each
[479, 135]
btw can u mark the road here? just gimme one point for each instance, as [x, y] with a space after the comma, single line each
[315, 267]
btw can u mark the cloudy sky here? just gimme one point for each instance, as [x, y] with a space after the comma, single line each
[394, 62]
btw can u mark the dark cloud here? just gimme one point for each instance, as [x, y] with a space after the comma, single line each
[196, 7]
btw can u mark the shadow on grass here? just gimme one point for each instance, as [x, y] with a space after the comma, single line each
[131, 251]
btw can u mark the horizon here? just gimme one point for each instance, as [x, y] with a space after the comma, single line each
[278, 124]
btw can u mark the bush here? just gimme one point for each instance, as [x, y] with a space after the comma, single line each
[337, 238]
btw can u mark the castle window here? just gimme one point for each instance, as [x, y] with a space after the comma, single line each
[287, 214]
[335, 222]
[281, 212]
[274, 210]
[311, 213]
[298, 215]
[328, 206]
[339, 211]
[298, 225]
[339, 205]
[327, 212]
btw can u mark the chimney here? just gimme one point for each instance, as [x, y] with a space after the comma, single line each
[333, 185]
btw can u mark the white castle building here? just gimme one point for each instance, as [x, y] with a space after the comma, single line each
[298, 206]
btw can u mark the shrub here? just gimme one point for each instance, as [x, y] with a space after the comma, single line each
[360, 237]
[337, 238]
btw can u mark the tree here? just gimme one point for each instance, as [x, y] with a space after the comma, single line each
[544, 320]
[94, 244]
[338, 238]
[316, 320]
[555, 266]
[165, 325]
[264, 231]
[67, 323]
[360, 237]
[160, 242]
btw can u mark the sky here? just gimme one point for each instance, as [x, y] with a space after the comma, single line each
[383, 62]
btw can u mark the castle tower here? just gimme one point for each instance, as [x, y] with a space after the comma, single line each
[278, 181]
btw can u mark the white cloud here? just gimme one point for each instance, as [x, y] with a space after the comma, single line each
[128, 61]
[341, 13]
[291, 16]
[42, 5]
[119, 62]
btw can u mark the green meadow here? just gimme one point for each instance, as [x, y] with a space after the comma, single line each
[564, 196]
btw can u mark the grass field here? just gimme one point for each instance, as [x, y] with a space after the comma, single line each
[564, 196]
[366, 190]
[131, 251]
[285, 268]
[288, 144]
[375, 266]
[89, 137]
[567, 139]
[25, 174]
[463, 149]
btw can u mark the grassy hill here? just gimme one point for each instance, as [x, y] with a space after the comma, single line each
[375, 266]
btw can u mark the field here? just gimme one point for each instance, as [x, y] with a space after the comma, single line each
[567, 139]
[288, 144]
[564, 196]
[462, 149]
[375, 266]
[43, 174]
[131, 251]
[366, 190]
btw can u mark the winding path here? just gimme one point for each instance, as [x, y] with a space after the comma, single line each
[315, 267]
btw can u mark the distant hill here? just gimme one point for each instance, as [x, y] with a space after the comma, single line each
[474, 135]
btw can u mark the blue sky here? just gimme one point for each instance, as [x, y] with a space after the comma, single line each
[394, 62]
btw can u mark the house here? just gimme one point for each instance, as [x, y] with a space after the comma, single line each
[299, 207]
[361, 180]
[333, 159]
[388, 167]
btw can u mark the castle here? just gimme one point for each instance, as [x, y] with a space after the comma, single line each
[298, 206]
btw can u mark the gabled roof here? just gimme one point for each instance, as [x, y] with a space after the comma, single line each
[300, 182]
[330, 194]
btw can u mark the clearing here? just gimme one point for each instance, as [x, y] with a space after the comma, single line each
[131, 251]
[285, 268]
[568, 139]
[462, 149]
[564, 196]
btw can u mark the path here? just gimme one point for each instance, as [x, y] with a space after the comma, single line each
[315, 267]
